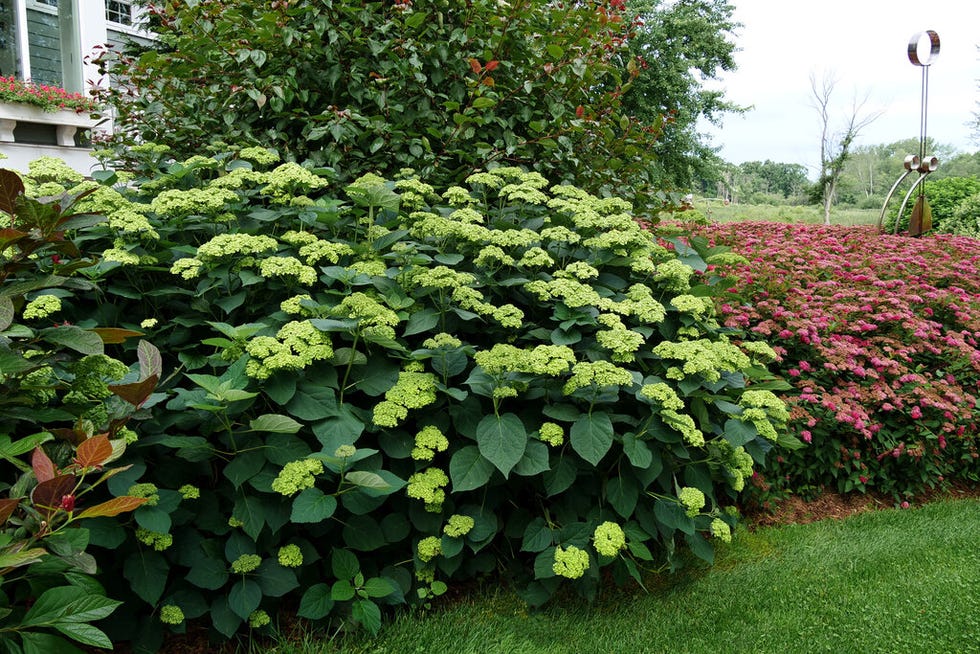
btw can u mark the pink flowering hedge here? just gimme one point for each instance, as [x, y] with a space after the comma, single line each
[878, 335]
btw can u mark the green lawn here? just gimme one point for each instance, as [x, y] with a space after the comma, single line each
[717, 211]
[901, 581]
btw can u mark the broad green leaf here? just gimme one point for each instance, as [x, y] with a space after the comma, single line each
[673, 516]
[468, 469]
[366, 479]
[592, 436]
[342, 591]
[316, 602]
[244, 466]
[275, 580]
[147, 575]
[75, 338]
[739, 433]
[701, 547]
[422, 321]
[637, 451]
[622, 493]
[223, 618]
[368, 614]
[275, 423]
[535, 460]
[208, 573]
[22, 558]
[537, 536]
[343, 564]
[85, 634]
[378, 587]
[244, 597]
[561, 476]
[38, 642]
[502, 440]
[363, 533]
[153, 518]
[68, 604]
[313, 505]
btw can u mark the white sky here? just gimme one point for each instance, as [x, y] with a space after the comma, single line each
[863, 44]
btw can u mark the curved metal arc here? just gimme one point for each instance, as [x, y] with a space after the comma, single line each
[884, 207]
[905, 202]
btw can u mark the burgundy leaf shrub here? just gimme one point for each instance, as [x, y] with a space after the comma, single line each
[878, 335]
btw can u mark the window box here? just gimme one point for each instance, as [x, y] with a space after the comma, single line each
[66, 122]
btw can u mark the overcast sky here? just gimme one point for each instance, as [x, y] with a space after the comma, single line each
[863, 44]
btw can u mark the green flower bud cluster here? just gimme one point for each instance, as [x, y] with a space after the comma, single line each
[692, 499]
[685, 425]
[762, 409]
[609, 539]
[493, 256]
[246, 563]
[457, 196]
[721, 530]
[259, 155]
[442, 340]
[458, 525]
[759, 351]
[290, 556]
[345, 451]
[296, 476]
[548, 360]
[702, 357]
[674, 275]
[368, 312]
[189, 492]
[429, 548]
[736, 461]
[415, 193]
[258, 619]
[187, 268]
[285, 180]
[597, 374]
[536, 258]
[663, 395]
[192, 201]
[560, 234]
[578, 270]
[279, 266]
[698, 307]
[726, 259]
[52, 169]
[413, 390]
[296, 345]
[293, 306]
[319, 250]
[145, 490]
[429, 225]
[157, 541]
[235, 245]
[120, 256]
[622, 342]
[427, 442]
[552, 434]
[570, 291]
[570, 562]
[42, 306]
[238, 178]
[428, 486]
[171, 614]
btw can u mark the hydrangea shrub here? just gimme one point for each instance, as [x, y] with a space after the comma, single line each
[390, 387]
[879, 337]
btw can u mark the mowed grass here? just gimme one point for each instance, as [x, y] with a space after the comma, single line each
[717, 211]
[902, 581]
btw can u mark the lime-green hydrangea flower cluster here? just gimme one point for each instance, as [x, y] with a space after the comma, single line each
[736, 461]
[187, 268]
[570, 562]
[372, 316]
[289, 178]
[246, 563]
[235, 245]
[429, 548]
[294, 305]
[428, 486]
[692, 499]
[171, 614]
[157, 541]
[552, 434]
[145, 490]
[413, 390]
[296, 345]
[598, 374]
[702, 357]
[622, 342]
[759, 352]
[258, 619]
[609, 538]
[289, 267]
[698, 307]
[345, 451]
[685, 425]
[674, 275]
[52, 169]
[296, 476]
[427, 442]
[721, 530]
[193, 201]
[458, 525]
[290, 556]
[259, 155]
[41, 307]
[189, 492]
[663, 395]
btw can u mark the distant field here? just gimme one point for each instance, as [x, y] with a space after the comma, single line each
[716, 211]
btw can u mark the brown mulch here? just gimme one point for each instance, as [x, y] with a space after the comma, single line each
[835, 506]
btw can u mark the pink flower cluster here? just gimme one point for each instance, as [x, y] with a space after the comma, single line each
[49, 98]
[880, 337]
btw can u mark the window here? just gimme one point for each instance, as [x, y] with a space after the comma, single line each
[119, 12]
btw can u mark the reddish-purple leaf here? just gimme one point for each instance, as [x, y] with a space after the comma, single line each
[137, 392]
[42, 465]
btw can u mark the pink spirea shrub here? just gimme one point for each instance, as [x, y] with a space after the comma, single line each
[879, 336]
